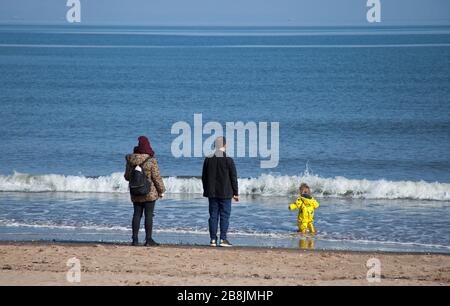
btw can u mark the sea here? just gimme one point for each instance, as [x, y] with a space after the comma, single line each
[363, 116]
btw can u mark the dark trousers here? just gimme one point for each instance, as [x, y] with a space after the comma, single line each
[219, 209]
[146, 208]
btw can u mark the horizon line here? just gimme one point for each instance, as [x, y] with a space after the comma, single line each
[366, 25]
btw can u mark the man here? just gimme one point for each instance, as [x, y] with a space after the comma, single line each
[220, 185]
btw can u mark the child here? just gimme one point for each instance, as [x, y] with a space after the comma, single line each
[306, 205]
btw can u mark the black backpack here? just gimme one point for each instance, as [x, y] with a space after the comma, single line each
[139, 183]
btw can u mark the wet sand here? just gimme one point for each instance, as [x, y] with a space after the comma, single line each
[112, 264]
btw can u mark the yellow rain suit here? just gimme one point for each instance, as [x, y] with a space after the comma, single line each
[306, 205]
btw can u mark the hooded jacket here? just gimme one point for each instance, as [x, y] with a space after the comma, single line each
[151, 170]
[306, 204]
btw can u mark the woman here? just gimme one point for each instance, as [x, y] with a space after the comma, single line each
[143, 156]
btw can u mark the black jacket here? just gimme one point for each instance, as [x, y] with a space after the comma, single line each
[219, 177]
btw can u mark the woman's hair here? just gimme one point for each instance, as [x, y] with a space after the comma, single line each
[304, 188]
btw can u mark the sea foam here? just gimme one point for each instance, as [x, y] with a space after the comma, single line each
[264, 185]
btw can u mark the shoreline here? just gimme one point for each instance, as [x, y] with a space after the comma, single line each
[341, 224]
[205, 246]
[45, 263]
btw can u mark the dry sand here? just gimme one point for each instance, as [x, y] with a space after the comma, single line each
[106, 264]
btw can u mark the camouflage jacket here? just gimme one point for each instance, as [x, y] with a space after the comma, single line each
[151, 170]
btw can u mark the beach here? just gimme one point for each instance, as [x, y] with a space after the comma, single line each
[375, 159]
[33, 263]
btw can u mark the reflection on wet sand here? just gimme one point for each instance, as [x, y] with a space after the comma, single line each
[306, 243]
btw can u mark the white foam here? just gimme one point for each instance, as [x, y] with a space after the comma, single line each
[264, 185]
[23, 182]
[204, 232]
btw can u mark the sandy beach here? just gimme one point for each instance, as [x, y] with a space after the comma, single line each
[109, 264]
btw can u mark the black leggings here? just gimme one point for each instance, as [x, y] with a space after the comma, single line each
[139, 209]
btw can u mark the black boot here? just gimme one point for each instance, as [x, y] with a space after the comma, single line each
[135, 242]
[151, 243]
[148, 210]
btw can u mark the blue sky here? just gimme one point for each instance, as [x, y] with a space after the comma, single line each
[227, 12]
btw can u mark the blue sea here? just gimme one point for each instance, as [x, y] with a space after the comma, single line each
[363, 113]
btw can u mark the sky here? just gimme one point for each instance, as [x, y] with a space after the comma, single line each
[227, 12]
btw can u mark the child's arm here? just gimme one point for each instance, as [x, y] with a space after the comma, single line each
[316, 204]
[296, 205]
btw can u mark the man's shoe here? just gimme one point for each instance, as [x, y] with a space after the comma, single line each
[225, 243]
[135, 243]
[151, 243]
[213, 243]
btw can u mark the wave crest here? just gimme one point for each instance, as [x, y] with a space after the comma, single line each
[265, 185]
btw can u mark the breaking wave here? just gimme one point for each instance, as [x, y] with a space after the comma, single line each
[264, 185]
